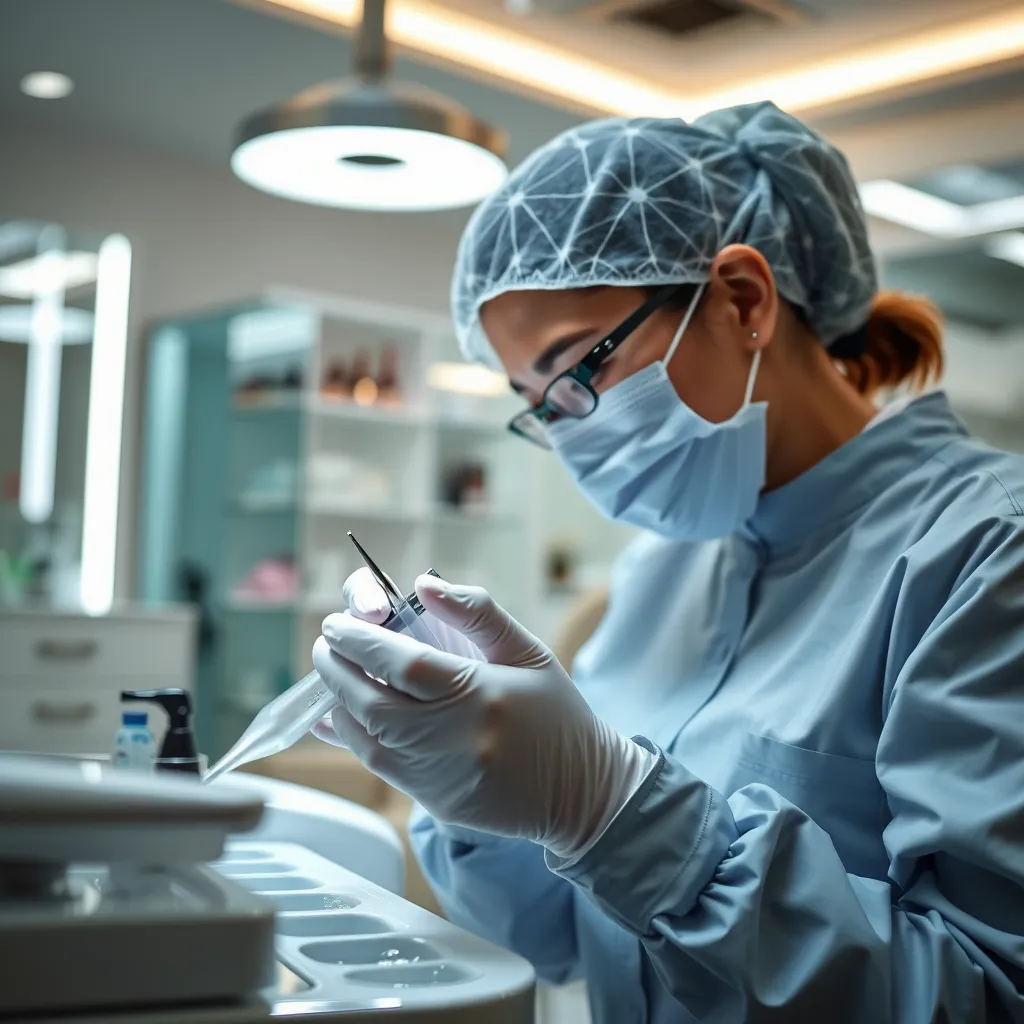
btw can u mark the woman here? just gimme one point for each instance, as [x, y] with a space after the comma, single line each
[815, 647]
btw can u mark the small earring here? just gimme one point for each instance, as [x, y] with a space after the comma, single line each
[754, 335]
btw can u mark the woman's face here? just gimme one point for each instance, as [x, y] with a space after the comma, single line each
[539, 334]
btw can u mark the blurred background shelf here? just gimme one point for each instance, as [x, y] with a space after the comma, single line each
[301, 419]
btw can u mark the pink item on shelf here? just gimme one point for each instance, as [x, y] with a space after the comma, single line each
[272, 580]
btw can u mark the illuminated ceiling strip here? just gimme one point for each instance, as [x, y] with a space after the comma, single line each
[912, 208]
[475, 44]
[1009, 247]
[910, 59]
[487, 48]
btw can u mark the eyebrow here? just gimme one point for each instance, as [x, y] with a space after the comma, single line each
[547, 359]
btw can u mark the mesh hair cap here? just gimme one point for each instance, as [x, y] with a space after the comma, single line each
[650, 201]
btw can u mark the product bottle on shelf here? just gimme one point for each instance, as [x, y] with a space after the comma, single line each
[364, 387]
[388, 389]
[336, 381]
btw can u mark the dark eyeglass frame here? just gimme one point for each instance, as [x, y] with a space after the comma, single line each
[525, 424]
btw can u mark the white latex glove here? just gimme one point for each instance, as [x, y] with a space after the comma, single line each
[365, 598]
[507, 745]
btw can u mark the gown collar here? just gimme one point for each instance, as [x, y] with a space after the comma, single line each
[856, 472]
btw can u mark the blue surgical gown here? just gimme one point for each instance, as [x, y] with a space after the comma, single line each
[834, 830]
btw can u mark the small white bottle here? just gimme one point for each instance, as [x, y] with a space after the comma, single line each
[134, 747]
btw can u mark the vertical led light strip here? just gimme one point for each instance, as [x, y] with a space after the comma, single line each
[42, 381]
[103, 441]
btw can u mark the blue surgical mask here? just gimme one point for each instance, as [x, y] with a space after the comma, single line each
[645, 458]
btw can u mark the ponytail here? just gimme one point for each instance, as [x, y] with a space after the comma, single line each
[904, 345]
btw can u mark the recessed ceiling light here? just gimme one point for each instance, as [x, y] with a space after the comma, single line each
[47, 85]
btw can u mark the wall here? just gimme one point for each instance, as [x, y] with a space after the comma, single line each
[985, 370]
[201, 238]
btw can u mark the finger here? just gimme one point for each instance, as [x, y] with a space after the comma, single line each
[476, 615]
[450, 639]
[370, 751]
[416, 669]
[369, 700]
[324, 731]
[365, 597]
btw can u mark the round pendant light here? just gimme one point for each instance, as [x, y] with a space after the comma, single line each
[369, 143]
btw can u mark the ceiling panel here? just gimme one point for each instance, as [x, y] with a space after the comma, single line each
[178, 75]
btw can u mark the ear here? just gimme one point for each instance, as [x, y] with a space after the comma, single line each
[748, 301]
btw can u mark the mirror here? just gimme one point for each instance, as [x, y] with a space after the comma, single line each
[63, 325]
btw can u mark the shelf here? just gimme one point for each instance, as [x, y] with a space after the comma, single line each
[445, 516]
[328, 409]
[440, 515]
[325, 408]
[253, 605]
[377, 515]
[270, 401]
[469, 426]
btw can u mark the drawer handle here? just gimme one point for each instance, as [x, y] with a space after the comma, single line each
[46, 711]
[66, 650]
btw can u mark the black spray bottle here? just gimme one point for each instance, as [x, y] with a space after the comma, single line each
[178, 752]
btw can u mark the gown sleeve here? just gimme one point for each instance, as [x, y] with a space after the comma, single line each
[501, 890]
[744, 906]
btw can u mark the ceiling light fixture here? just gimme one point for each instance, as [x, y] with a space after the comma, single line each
[900, 204]
[43, 273]
[369, 143]
[47, 85]
[76, 325]
[499, 53]
[42, 384]
[897, 203]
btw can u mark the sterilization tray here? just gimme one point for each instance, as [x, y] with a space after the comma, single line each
[350, 947]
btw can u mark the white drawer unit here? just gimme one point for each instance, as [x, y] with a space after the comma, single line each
[61, 674]
[138, 644]
[71, 718]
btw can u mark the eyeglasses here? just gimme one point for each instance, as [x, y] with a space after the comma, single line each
[571, 393]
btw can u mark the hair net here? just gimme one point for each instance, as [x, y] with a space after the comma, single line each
[648, 201]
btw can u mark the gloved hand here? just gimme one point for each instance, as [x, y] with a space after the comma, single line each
[507, 745]
[365, 598]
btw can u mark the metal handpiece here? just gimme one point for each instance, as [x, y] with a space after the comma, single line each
[392, 592]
